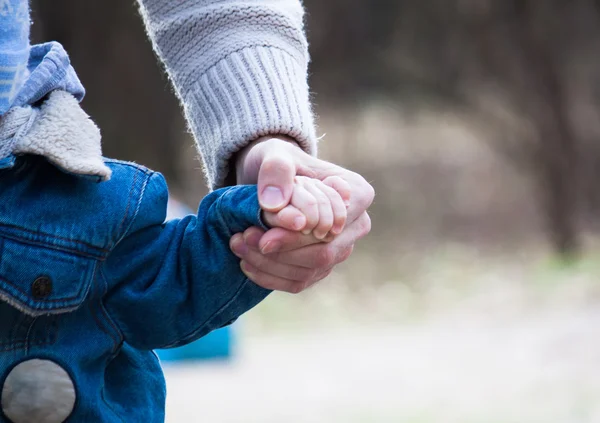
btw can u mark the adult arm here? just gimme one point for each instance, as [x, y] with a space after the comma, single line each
[239, 69]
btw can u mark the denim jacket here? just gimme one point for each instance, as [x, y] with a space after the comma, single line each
[92, 279]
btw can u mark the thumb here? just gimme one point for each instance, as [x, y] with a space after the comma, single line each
[276, 180]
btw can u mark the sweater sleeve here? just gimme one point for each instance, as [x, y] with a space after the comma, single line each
[239, 68]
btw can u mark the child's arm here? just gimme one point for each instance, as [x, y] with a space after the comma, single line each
[171, 283]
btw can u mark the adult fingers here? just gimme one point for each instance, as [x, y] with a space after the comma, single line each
[268, 265]
[275, 283]
[276, 179]
[325, 255]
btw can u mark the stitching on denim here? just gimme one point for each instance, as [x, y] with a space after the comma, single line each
[220, 217]
[53, 331]
[259, 217]
[29, 333]
[129, 164]
[85, 286]
[53, 247]
[102, 276]
[14, 334]
[125, 214]
[80, 242]
[24, 342]
[94, 308]
[57, 300]
[21, 344]
[117, 415]
[213, 316]
[76, 241]
[138, 206]
[109, 319]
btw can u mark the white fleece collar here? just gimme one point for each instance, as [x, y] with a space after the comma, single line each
[66, 136]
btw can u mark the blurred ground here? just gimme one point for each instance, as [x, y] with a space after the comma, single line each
[479, 342]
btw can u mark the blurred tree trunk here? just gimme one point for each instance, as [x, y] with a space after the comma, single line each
[557, 151]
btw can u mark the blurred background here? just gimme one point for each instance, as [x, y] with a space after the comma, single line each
[476, 296]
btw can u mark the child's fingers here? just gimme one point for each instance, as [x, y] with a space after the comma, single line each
[288, 218]
[315, 187]
[307, 204]
[341, 186]
[340, 213]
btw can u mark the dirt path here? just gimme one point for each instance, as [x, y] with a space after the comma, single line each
[543, 367]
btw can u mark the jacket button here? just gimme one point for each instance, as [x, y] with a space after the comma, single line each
[41, 287]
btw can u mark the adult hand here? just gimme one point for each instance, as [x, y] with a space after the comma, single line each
[291, 261]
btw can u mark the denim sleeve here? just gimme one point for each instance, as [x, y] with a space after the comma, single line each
[172, 283]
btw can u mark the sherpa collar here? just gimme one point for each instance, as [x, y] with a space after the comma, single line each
[64, 134]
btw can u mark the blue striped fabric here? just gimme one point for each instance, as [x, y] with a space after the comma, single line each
[14, 49]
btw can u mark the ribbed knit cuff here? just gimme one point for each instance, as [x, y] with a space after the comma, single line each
[252, 93]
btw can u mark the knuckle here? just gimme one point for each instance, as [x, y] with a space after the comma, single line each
[346, 253]
[297, 287]
[365, 225]
[308, 276]
[341, 184]
[325, 257]
[364, 188]
[312, 203]
[266, 283]
[295, 274]
[325, 221]
[322, 199]
[368, 193]
[259, 262]
[276, 165]
[325, 274]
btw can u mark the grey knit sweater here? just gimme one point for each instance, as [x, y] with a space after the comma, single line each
[239, 68]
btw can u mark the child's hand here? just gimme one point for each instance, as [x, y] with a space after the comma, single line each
[316, 206]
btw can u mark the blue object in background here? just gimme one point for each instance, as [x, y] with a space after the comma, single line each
[218, 344]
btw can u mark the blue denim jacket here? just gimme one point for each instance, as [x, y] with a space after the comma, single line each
[92, 280]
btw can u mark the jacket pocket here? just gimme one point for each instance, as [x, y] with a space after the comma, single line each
[39, 280]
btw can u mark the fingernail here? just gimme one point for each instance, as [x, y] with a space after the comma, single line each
[299, 222]
[239, 247]
[307, 231]
[271, 247]
[272, 197]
